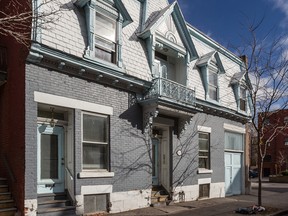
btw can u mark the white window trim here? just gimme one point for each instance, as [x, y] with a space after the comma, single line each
[204, 171]
[96, 174]
[204, 181]
[45, 98]
[93, 173]
[204, 129]
[96, 189]
[234, 128]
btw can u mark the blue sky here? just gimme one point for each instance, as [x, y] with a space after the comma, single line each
[226, 20]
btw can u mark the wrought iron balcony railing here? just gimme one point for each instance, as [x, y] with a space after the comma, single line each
[171, 90]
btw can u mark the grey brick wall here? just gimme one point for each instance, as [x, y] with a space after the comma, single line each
[186, 166]
[129, 158]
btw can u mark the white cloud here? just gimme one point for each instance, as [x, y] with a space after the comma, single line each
[282, 5]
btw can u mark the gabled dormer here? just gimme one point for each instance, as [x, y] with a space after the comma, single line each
[210, 66]
[105, 20]
[240, 85]
[169, 44]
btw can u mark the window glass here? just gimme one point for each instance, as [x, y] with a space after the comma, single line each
[213, 84]
[213, 92]
[105, 38]
[105, 27]
[243, 99]
[204, 150]
[94, 128]
[233, 141]
[95, 141]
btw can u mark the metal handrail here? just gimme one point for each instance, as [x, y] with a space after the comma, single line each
[169, 89]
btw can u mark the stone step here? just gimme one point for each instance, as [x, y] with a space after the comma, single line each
[60, 211]
[54, 203]
[51, 196]
[160, 198]
[5, 196]
[4, 188]
[7, 204]
[8, 212]
[3, 181]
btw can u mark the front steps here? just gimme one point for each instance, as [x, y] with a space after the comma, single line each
[7, 205]
[55, 205]
[159, 196]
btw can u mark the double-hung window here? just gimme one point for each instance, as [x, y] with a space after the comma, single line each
[105, 38]
[95, 141]
[243, 99]
[213, 84]
[204, 150]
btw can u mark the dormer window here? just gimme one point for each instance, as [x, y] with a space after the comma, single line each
[210, 67]
[105, 38]
[243, 99]
[213, 84]
[104, 20]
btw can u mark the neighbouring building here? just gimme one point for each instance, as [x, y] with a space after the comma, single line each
[120, 105]
[276, 137]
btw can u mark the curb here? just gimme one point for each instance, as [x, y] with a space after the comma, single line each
[280, 213]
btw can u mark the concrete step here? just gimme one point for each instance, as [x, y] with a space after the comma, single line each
[7, 204]
[159, 198]
[5, 196]
[8, 212]
[3, 181]
[51, 196]
[54, 203]
[4, 188]
[60, 211]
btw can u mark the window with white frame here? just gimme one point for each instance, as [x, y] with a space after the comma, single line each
[234, 141]
[243, 99]
[105, 38]
[213, 83]
[105, 21]
[95, 141]
[204, 150]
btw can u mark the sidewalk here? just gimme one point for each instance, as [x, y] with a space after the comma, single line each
[274, 199]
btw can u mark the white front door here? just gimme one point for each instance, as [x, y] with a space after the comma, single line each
[233, 173]
[155, 161]
[165, 160]
[50, 159]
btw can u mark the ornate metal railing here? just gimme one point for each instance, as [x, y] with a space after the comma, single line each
[171, 90]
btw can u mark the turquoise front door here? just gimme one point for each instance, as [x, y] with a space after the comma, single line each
[50, 159]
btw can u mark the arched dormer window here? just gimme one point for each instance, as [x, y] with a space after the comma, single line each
[210, 67]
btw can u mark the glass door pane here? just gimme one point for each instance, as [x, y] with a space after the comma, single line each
[49, 156]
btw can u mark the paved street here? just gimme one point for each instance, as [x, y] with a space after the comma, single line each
[274, 197]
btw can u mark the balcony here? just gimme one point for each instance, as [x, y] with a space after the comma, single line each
[171, 91]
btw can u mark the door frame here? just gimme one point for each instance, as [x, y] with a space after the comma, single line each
[60, 182]
[165, 124]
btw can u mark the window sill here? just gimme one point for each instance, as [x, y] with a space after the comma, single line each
[103, 63]
[204, 171]
[96, 174]
[212, 101]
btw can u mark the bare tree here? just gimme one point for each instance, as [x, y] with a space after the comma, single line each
[18, 18]
[281, 160]
[267, 68]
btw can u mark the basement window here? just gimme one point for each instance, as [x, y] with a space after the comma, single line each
[204, 191]
[95, 203]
